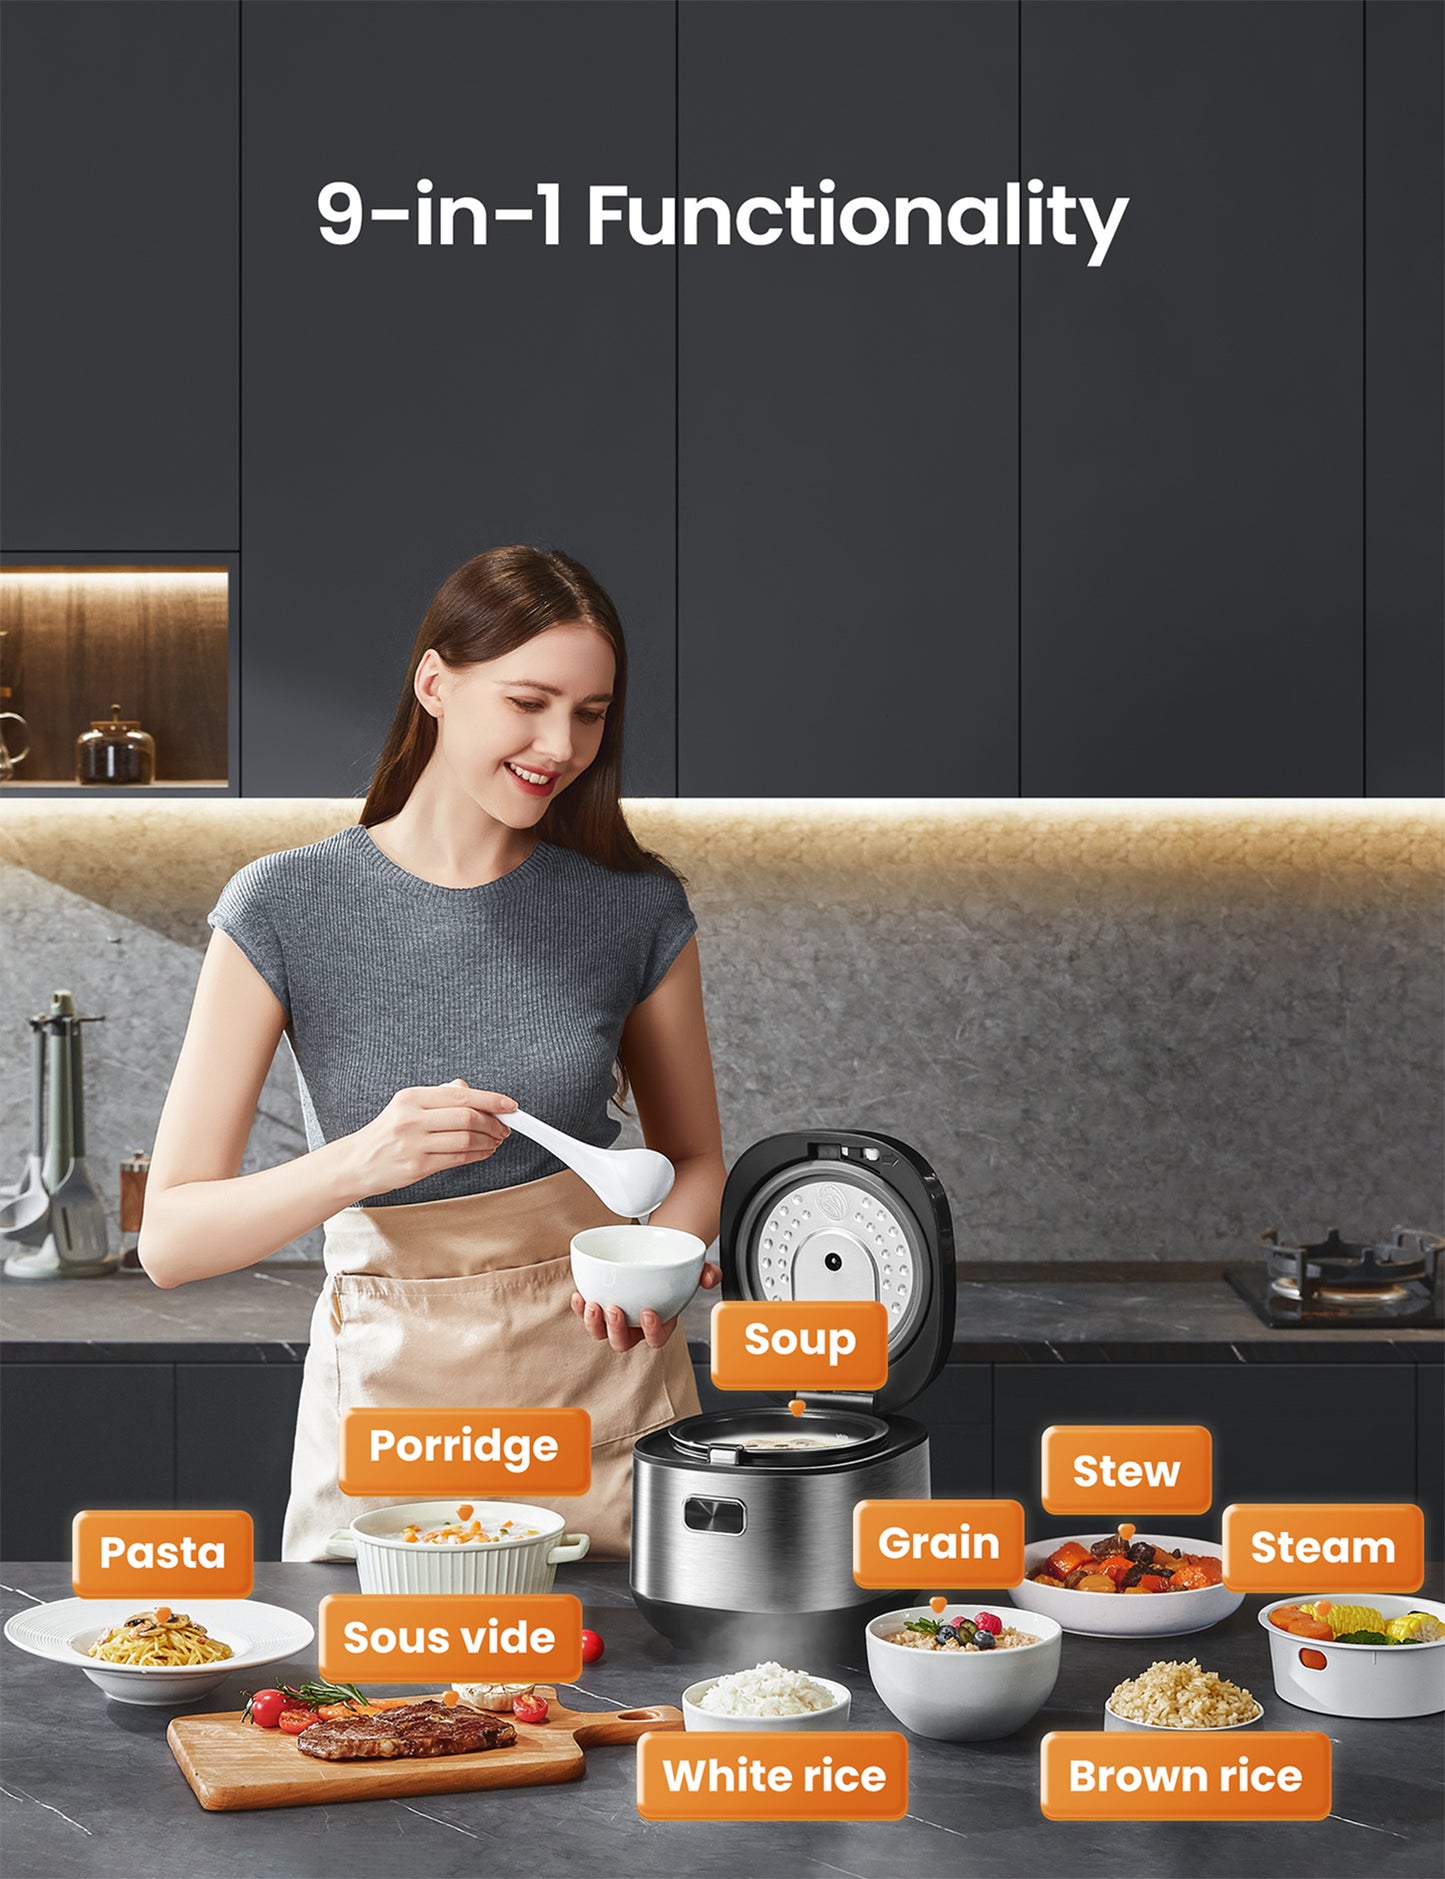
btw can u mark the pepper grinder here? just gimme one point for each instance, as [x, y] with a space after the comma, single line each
[133, 1172]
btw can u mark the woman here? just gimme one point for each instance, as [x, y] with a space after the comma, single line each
[490, 925]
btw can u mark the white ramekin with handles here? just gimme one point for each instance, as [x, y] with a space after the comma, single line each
[524, 1562]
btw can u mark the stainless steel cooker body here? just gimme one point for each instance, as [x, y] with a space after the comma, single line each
[739, 1544]
[756, 1552]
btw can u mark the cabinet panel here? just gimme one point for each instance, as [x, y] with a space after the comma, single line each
[1430, 1455]
[120, 194]
[847, 417]
[235, 1428]
[1192, 476]
[80, 1435]
[1295, 1432]
[407, 405]
[1404, 397]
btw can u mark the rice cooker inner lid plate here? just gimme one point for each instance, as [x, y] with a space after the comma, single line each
[775, 1438]
[839, 1234]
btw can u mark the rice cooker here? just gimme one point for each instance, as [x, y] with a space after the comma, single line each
[742, 1519]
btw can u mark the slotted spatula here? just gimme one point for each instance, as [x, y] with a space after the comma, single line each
[77, 1213]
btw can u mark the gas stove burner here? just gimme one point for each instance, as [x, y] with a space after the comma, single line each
[1346, 1283]
[1362, 1295]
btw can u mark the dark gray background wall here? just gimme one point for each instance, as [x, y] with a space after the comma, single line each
[881, 521]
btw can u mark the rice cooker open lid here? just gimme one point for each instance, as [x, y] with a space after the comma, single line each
[846, 1214]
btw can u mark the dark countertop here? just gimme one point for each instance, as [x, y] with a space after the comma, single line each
[90, 1786]
[1028, 1313]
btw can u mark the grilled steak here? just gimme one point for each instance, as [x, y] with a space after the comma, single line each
[426, 1728]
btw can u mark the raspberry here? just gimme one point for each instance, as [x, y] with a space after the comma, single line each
[986, 1621]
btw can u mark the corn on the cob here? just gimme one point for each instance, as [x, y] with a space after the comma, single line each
[1415, 1628]
[1343, 1618]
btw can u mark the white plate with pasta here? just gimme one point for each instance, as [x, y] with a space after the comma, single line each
[149, 1655]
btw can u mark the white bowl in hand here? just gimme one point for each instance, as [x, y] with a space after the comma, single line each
[639, 1268]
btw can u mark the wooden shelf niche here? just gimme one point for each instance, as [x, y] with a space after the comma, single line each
[153, 640]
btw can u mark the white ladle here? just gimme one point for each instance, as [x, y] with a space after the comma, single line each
[631, 1181]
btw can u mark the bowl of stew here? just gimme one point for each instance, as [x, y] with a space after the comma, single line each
[1152, 1606]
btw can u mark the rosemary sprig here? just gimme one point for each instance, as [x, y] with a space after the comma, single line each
[321, 1695]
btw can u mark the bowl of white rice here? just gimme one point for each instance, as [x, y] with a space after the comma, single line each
[769, 1696]
[1180, 1696]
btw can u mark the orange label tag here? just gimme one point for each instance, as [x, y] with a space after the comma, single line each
[383, 1637]
[924, 1543]
[146, 1554]
[422, 1452]
[1114, 1468]
[838, 1346]
[767, 1776]
[1324, 1547]
[1197, 1774]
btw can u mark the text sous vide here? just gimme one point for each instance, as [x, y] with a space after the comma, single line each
[1023, 215]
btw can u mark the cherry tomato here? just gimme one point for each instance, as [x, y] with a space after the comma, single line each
[529, 1708]
[266, 1707]
[592, 1647]
[293, 1721]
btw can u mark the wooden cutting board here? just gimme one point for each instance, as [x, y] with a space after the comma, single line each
[230, 1764]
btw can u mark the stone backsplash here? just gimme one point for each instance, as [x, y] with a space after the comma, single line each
[1118, 1031]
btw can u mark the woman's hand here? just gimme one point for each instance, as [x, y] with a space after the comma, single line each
[424, 1131]
[612, 1323]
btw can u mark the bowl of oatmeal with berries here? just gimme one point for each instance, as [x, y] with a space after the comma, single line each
[963, 1674]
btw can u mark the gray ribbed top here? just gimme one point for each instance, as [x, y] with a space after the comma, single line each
[522, 985]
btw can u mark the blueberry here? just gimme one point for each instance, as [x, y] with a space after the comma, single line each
[984, 1640]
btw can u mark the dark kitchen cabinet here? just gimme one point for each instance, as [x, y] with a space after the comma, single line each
[408, 405]
[1191, 409]
[1404, 398]
[74, 1436]
[1430, 1455]
[235, 1429]
[957, 1411]
[1298, 1432]
[847, 415]
[118, 152]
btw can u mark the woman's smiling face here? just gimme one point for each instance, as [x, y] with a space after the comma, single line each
[515, 731]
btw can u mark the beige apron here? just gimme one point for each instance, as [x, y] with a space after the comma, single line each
[466, 1304]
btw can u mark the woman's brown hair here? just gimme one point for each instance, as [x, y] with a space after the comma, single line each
[493, 604]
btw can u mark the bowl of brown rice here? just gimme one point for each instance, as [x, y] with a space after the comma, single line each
[1180, 1696]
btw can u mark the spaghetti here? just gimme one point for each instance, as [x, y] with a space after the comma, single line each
[159, 1639]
